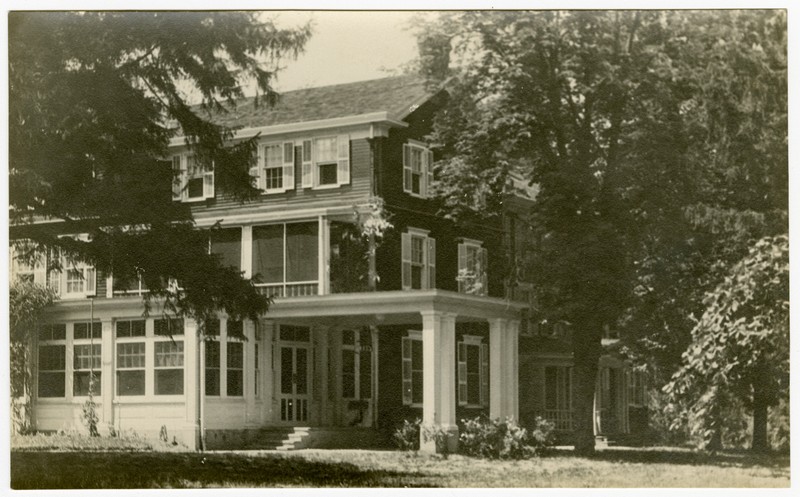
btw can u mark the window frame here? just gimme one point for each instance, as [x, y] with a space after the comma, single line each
[463, 376]
[60, 343]
[425, 171]
[340, 158]
[186, 168]
[428, 265]
[96, 358]
[407, 366]
[128, 341]
[479, 259]
[179, 344]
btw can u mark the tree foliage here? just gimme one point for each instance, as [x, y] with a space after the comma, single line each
[740, 345]
[27, 303]
[652, 137]
[95, 98]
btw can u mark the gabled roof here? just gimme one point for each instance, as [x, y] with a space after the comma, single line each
[398, 95]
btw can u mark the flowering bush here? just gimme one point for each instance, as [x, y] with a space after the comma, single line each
[407, 436]
[503, 439]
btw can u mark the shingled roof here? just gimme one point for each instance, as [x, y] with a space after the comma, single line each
[398, 95]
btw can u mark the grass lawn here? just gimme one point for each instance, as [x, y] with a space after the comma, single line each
[616, 467]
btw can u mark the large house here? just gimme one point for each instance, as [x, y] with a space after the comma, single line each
[364, 331]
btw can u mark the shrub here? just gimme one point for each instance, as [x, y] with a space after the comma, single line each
[503, 439]
[407, 435]
[440, 436]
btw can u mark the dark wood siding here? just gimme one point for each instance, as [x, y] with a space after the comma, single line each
[358, 190]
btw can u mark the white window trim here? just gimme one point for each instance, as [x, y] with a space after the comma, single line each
[426, 169]
[463, 247]
[67, 343]
[413, 335]
[343, 164]
[428, 277]
[483, 371]
[180, 191]
[286, 167]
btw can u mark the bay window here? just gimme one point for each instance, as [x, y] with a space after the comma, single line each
[168, 367]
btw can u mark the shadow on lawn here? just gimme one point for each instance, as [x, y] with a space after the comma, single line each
[667, 455]
[50, 470]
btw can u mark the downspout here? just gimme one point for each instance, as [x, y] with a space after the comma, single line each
[201, 400]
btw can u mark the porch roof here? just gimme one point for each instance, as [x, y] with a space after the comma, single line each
[391, 307]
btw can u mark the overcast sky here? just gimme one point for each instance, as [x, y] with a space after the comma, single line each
[347, 46]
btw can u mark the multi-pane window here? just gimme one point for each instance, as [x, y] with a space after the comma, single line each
[168, 327]
[227, 244]
[212, 368]
[418, 254]
[86, 369]
[558, 388]
[273, 167]
[81, 330]
[412, 368]
[331, 158]
[417, 170]
[168, 368]
[79, 279]
[235, 369]
[223, 354]
[130, 367]
[130, 328]
[472, 268]
[52, 370]
[192, 180]
[356, 364]
[473, 372]
[55, 331]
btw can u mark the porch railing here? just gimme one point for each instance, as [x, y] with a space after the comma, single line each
[561, 418]
[289, 290]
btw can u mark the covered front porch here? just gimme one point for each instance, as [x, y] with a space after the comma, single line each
[369, 360]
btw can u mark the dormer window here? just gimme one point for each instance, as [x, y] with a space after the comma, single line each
[417, 170]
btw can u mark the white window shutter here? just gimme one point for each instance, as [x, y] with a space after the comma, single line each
[407, 168]
[178, 177]
[462, 265]
[288, 165]
[343, 174]
[431, 263]
[484, 374]
[405, 256]
[308, 165]
[462, 373]
[407, 383]
[484, 272]
[208, 182]
[256, 178]
[429, 173]
[91, 278]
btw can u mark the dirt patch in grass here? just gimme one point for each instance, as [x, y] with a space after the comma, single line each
[353, 468]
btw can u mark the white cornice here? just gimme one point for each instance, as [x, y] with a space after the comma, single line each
[320, 124]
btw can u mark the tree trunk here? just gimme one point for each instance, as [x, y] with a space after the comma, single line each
[587, 347]
[761, 401]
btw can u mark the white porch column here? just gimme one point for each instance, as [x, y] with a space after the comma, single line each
[191, 385]
[320, 379]
[511, 361]
[251, 417]
[497, 377]
[107, 376]
[438, 376]
[268, 371]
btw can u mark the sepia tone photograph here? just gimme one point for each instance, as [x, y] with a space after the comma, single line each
[432, 249]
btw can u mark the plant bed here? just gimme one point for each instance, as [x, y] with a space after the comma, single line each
[79, 442]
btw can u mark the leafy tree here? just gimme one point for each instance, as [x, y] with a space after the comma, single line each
[27, 303]
[740, 346]
[610, 114]
[95, 98]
